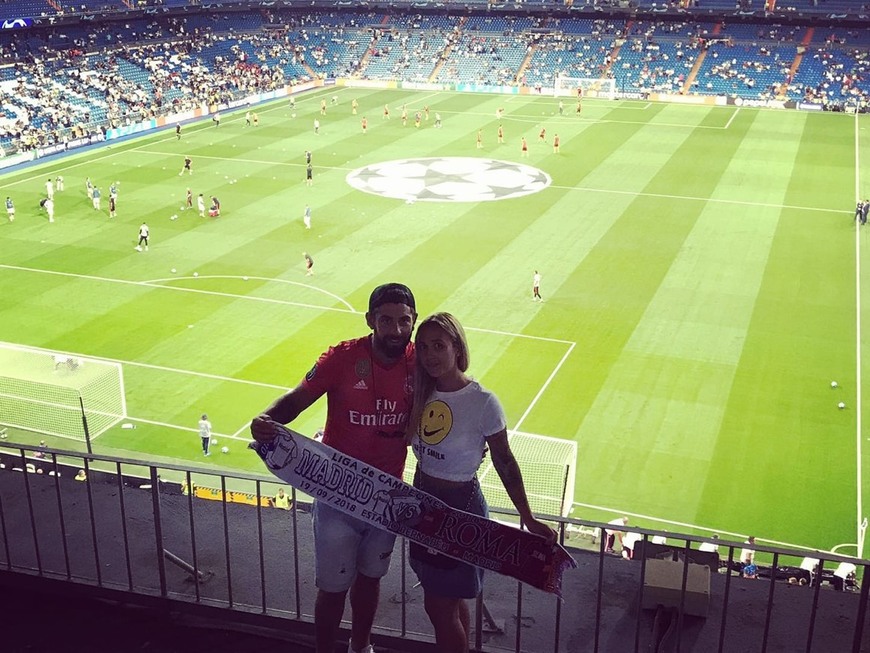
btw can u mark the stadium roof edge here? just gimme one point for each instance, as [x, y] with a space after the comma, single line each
[554, 9]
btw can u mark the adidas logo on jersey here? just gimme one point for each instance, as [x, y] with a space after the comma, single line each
[361, 385]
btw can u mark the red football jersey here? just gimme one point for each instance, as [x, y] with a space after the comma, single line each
[367, 404]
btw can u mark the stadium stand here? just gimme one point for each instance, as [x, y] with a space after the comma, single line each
[105, 74]
[70, 78]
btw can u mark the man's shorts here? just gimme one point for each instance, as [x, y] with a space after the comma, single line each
[345, 546]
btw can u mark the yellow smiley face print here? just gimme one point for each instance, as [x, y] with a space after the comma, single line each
[436, 422]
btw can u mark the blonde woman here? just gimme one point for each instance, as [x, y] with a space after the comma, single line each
[453, 422]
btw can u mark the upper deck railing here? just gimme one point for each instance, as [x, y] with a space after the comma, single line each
[206, 538]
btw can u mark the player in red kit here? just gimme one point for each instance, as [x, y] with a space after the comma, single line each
[369, 387]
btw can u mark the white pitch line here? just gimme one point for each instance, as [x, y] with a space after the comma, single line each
[152, 285]
[159, 282]
[240, 160]
[731, 119]
[587, 189]
[162, 368]
[238, 434]
[693, 526]
[858, 395]
[87, 161]
[645, 123]
[189, 429]
[521, 335]
[848, 545]
[616, 191]
[544, 387]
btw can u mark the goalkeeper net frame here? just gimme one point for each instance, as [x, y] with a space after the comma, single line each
[549, 468]
[592, 87]
[58, 393]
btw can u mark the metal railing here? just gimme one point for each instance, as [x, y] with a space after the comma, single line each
[228, 549]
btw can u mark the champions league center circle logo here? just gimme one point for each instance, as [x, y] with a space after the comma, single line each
[449, 179]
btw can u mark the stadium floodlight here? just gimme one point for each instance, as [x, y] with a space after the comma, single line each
[591, 87]
[58, 393]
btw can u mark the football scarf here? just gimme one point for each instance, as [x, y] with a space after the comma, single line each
[388, 503]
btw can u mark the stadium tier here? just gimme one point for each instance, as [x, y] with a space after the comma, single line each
[173, 62]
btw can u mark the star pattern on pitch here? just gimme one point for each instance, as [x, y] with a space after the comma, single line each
[449, 179]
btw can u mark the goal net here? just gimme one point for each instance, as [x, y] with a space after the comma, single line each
[548, 465]
[592, 87]
[44, 391]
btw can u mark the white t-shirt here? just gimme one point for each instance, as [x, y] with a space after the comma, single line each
[709, 547]
[615, 522]
[630, 539]
[204, 428]
[450, 441]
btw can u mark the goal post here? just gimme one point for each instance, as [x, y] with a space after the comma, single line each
[590, 87]
[549, 468]
[59, 394]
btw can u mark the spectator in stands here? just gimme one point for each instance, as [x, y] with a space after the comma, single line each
[629, 541]
[750, 571]
[747, 553]
[710, 546]
[612, 534]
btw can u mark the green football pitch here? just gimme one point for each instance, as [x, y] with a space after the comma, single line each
[700, 274]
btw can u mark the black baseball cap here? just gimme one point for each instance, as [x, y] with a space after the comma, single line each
[392, 293]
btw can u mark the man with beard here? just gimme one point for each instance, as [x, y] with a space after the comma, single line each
[369, 387]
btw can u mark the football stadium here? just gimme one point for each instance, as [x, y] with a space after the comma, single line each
[649, 218]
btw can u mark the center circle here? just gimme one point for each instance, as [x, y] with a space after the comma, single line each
[449, 179]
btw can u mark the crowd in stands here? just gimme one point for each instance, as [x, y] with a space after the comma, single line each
[65, 82]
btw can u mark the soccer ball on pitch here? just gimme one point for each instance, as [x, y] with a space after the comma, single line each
[841, 405]
[833, 384]
[225, 449]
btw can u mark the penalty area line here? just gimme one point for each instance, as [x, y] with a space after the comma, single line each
[671, 522]
[188, 429]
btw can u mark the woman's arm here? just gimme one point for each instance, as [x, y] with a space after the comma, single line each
[509, 472]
